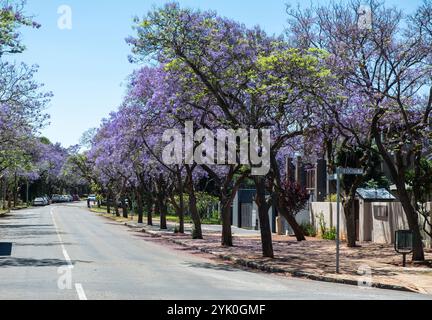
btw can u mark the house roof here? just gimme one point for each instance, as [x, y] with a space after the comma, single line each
[375, 194]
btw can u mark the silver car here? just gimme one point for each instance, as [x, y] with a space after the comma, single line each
[39, 202]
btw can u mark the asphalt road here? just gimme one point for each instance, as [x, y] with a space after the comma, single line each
[93, 258]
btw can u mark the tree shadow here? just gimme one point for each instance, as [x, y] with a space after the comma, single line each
[211, 266]
[24, 262]
[30, 234]
[24, 226]
[53, 244]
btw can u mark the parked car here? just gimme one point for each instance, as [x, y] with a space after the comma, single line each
[76, 198]
[46, 201]
[92, 198]
[39, 202]
[56, 198]
[112, 202]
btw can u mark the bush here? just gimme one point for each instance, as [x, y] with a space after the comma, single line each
[331, 198]
[330, 234]
[309, 230]
[177, 229]
[326, 233]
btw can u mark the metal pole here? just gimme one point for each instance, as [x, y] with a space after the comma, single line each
[338, 223]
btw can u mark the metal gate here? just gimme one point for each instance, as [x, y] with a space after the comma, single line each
[246, 215]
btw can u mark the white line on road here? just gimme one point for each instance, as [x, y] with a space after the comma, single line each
[80, 291]
[65, 253]
[78, 286]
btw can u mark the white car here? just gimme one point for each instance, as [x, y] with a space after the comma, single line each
[39, 202]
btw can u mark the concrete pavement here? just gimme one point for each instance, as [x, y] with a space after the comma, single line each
[109, 261]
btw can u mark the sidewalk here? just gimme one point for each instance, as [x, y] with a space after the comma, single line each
[313, 259]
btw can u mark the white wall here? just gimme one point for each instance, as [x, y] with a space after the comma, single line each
[371, 229]
[329, 212]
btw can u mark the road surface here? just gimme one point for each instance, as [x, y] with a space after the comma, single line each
[64, 252]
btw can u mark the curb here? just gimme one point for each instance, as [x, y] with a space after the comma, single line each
[296, 274]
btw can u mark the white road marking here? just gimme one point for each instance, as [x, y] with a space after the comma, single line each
[78, 286]
[65, 253]
[81, 294]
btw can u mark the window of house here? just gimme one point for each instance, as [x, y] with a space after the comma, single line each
[381, 213]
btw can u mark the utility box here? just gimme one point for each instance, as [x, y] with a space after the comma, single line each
[404, 243]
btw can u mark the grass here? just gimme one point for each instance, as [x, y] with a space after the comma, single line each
[7, 211]
[170, 218]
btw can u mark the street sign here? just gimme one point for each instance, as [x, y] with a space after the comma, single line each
[333, 177]
[351, 171]
[338, 177]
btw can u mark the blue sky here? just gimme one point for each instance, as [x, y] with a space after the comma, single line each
[86, 67]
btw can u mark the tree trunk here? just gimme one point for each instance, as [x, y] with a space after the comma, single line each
[350, 218]
[413, 222]
[162, 212]
[263, 213]
[109, 195]
[181, 214]
[282, 207]
[140, 207]
[15, 192]
[9, 200]
[298, 231]
[398, 174]
[163, 218]
[116, 208]
[124, 209]
[196, 219]
[197, 232]
[4, 193]
[149, 212]
[181, 209]
[227, 238]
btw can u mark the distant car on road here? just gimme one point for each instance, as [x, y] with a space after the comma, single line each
[39, 202]
[92, 198]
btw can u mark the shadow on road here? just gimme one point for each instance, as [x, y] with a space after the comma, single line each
[7, 262]
[11, 217]
[219, 267]
[21, 262]
[53, 244]
[22, 226]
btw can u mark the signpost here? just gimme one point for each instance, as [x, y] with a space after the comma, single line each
[340, 172]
